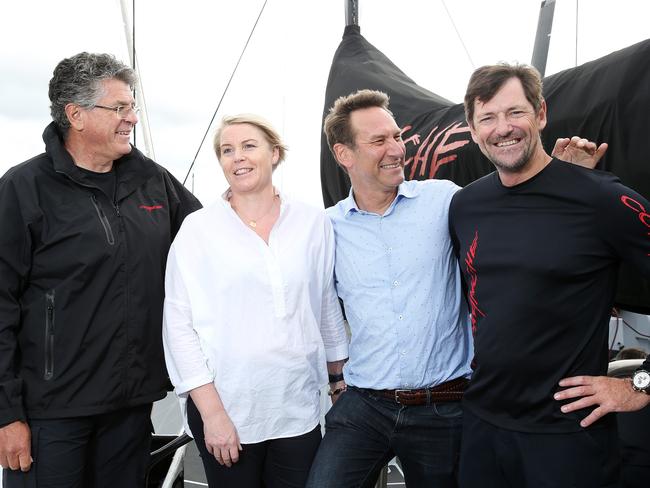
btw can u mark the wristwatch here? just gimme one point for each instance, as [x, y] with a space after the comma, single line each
[641, 381]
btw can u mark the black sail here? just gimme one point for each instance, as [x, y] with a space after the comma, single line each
[606, 100]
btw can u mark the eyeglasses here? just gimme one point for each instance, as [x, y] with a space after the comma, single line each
[122, 111]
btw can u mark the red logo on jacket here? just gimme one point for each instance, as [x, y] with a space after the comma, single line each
[151, 208]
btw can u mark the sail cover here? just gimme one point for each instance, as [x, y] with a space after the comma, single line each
[606, 100]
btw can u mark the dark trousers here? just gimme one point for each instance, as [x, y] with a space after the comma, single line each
[276, 463]
[364, 431]
[108, 450]
[492, 457]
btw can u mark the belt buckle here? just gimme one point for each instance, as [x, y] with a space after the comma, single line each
[397, 392]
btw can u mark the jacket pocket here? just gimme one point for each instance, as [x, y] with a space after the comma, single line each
[104, 221]
[49, 335]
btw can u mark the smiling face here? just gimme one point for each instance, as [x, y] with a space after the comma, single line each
[247, 158]
[507, 129]
[104, 135]
[376, 162]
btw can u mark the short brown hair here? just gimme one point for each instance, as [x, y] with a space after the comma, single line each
[486, 81]
[337, 123]
[261, 123]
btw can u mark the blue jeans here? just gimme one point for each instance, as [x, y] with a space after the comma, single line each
[364, 431]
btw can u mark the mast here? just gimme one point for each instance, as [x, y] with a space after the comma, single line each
[543, 36]
[139, 93]
[351, 12]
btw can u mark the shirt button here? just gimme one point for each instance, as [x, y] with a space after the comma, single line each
[395, 283]
[401, 317]
[390, 249]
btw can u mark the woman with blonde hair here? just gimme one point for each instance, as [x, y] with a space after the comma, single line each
[252, 319]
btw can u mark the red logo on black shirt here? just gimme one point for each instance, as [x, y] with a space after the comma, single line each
[644, 216]
[473, 275]
[151, 208]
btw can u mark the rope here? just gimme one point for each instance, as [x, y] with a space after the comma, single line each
[615, 313]
[576, 54]
[458, 34]
[133, 61]
[214, 115]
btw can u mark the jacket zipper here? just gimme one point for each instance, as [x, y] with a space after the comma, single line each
[104, 220]
[49, 335]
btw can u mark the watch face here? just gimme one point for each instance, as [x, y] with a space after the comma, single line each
[641, 380]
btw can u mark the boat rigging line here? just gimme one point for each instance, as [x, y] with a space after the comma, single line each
[133, 58]
[577, 14]
[214, 115]
[460, 38]
[138, 91]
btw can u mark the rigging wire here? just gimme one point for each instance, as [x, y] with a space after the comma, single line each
[232, 75]
[576, 53]
[641, 334]
[611, 346]
[617, 315]
[458, 34]
[133, 59]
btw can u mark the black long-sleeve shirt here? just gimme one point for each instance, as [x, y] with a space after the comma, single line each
[539, 262]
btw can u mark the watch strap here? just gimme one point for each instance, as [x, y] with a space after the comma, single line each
[334, 378]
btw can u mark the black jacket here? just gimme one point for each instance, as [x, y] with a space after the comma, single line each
[82, 284]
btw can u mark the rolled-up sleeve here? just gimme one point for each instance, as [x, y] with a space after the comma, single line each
[186, 363]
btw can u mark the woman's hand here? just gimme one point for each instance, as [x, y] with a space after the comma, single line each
[221, 438]
[220, 434]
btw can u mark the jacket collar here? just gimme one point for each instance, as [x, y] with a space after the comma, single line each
[132, 169]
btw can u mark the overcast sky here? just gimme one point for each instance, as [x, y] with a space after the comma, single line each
[187, 51]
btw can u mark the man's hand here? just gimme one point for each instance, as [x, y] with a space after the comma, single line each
[608, 394]
[15, 446]
[579, 151]
[221, 438]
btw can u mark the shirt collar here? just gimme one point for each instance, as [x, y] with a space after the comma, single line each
[407, 189]
[225, 196]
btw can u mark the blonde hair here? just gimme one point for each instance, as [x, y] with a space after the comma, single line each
[271, 135]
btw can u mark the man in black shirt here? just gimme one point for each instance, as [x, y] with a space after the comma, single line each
[539, 242]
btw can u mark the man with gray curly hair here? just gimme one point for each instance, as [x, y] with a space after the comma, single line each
[85, 229]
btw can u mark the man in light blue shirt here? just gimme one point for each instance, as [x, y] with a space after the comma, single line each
[400, 285]
[410, 349]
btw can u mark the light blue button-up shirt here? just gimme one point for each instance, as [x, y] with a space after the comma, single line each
[400, 284]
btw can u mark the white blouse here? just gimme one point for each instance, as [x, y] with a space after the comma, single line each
[258, 320]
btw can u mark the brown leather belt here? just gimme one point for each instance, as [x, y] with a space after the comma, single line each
[450, 391]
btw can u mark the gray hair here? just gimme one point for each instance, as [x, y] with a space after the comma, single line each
[78, 80]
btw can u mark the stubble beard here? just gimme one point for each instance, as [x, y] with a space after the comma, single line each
[516, 166]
